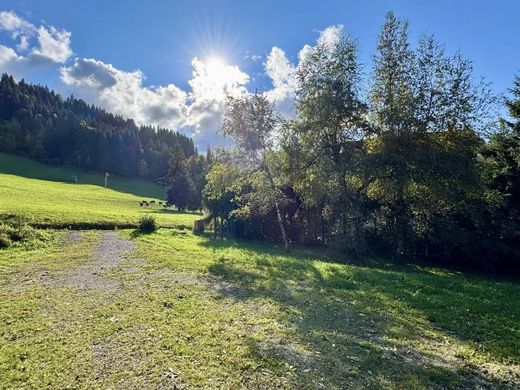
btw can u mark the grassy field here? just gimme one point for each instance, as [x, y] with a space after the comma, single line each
[46, 195]
[94, 309]
[193, 312]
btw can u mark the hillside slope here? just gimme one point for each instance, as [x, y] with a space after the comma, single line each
[47, 195]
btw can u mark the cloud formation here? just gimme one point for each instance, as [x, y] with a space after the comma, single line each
[197, 112]
[283, 73]
[123, 93]
[54, 45]
[36, 48]
[283, 76]
[211, 84]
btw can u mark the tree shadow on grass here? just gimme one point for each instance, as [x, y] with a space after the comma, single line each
[362, 324]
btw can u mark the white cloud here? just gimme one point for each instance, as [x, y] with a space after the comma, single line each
[252, 57]
[304, 53]
[123, 93]
[283, 73]
[17, 26]
[54, 45]
[45, 45]
[212, 82]
[283, 76]
[197, 111]
[24, 43]
[331, 35]
[8, 59]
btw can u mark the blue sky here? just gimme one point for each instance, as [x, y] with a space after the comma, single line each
[145, 50]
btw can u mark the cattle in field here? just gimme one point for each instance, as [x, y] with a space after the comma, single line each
[152, 202]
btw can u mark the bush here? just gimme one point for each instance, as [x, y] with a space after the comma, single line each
[147, 224]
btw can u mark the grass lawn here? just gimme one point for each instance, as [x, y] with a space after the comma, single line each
[173, 310]
[19, 166]
[46, 196]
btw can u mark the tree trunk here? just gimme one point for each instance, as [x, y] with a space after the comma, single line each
[282, 227]
[401, 227]
[278, 213]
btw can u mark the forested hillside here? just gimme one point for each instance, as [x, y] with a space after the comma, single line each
[38, 123]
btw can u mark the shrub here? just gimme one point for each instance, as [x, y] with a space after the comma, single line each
[147, 224]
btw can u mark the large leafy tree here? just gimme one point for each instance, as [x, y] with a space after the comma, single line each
[251, 122]
[425, 109]
[403, 166]
[182, 190]
[391, 103]
[323, 144]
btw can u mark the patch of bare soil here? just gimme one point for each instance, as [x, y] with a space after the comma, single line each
[165, 278]
[73, 237]
[107, 256]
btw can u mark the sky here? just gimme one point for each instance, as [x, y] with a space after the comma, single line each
[172, 63]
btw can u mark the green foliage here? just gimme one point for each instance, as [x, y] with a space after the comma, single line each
[501, 171]
[147, 224]
[423, 163]
[251, 121]
[181, 193]
[405, 172]
[220, 189]
[321, 145]
[186, 181]
[5, 240]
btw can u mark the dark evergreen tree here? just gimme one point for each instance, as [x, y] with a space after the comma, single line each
[501, 235]
[38, 123]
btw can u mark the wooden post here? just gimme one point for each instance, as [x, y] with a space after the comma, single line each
[200, 224]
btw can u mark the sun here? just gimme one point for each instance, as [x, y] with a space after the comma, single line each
[215, 62]
[217, 71]
[215, 79]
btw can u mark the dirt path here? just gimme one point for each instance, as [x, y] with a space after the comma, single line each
[107, 257]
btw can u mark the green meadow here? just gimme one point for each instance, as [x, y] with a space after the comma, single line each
[97, 309]
[48, 196]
